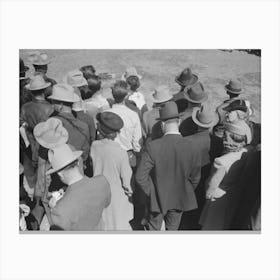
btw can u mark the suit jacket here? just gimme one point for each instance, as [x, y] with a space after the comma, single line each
[82, 205]
[174, 165]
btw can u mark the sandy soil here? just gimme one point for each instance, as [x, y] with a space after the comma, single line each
[214, 68]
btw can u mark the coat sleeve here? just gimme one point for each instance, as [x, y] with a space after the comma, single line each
[143, 171]
[195, 174]
[60, 220]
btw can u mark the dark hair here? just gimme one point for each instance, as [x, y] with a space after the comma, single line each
[69, 104]
[119, 91]
[41, 68]
[88, 71]
[94, 84]
[38, 92]
[133, 82]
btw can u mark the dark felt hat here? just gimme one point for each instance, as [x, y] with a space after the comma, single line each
[234, 86]
[186, 78]
[237, 104]
[109, 122]
[196, 93]
[168, 111]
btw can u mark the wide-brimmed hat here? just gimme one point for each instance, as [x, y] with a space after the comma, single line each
[168, 111]
[65, 93]
[239, 127]
[161, 94]
[196, 93]
[203, 117]
[130, 71]
[234, 86]
[39, 58]
[22, 68]
[37, 82]
[61, 156]
[75, 78]
[186, 78]
[109, 122]
[50, 133]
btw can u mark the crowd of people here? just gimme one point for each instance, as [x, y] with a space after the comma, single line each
[93, 163]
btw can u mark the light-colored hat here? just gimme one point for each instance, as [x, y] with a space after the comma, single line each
[37, 82]
[240, 127]
[203, 117]
[196, 93]
[161, 94]
[130, 71]
[61, 156]
[39, 58]
[78, 106]
[50, 133]
[234, 86]
[64, 92]
[75, 78]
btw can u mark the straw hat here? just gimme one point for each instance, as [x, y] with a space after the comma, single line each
[65, 93]
[196, 93]
[50, 133]
[161, 94]
[39, 58]
[75, 78]
[203, 117]
[61, 156]
[234, 86]
[37, 82]
[186, 78]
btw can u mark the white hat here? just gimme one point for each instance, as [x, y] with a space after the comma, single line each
[240, 127]
[75, 78]
[39, 58]
[61, 156]
[130, 71]
[64, 92]
[50, 133]
[37, 82]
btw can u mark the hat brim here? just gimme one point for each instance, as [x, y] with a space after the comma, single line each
[205, 98]
[38, 88]
[124, 77]
[75, 99]
[62, 140]
[154, 100]
[76, 155]
[208, 125]
[190, 83]
[41, 63]
[232, 91]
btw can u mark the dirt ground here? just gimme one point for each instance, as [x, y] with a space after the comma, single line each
[157, 67]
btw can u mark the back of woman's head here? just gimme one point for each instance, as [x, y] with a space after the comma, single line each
[133, 82]
[88, 71]
[94, 84]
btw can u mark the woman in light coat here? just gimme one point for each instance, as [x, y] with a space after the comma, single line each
[112, 161]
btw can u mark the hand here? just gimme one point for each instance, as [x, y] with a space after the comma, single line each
[214, 193]
[128, 191]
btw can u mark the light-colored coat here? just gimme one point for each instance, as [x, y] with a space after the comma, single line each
[110, 160]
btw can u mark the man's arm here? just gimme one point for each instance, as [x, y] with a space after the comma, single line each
[195, 174]
[59, 219]
[143, 171]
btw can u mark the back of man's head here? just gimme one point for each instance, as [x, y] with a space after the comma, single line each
[119, 91]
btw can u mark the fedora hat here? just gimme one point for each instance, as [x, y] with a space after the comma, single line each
[37, 82]
[61, 156]
[130, 71]
[39, 58]
[161, 94]
[168, 111]
[65, 93]
[234, 86]
[75, 78]
[239, 127]
[186, 78]
[203, 117]
[109, 122]
[50, 133]
[22, 68]
[196, 93]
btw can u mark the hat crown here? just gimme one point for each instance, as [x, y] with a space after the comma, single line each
[75, 78]
[186, 74]
[234, 86]
[196, 92]
[37, 82]
[205, 116]
[64, 92]
[186, 78]
[111, 121]
[61, 156]
[162, 93]
[169, 111]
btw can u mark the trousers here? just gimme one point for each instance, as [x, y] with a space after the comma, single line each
[171, 219]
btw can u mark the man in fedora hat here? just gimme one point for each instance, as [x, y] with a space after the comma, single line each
[175, 162]
[185, 79]
[82, 205]
[204, 119]
[160, 96]
[195, 97]
[40, 61]
[32, 113]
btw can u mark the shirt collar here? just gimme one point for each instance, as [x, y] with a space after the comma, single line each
[172, 133]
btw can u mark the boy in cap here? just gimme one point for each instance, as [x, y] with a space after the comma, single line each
[175, 162]
[82, 205]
